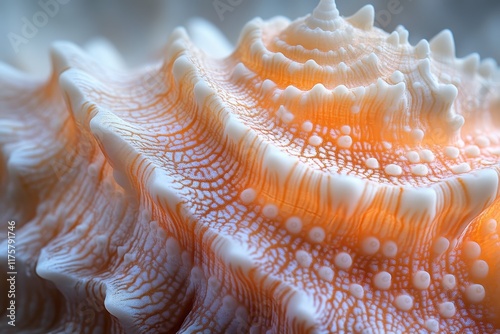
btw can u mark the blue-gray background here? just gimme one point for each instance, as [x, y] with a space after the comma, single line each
[140, 28]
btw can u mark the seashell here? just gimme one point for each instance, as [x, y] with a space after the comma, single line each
[325, 177]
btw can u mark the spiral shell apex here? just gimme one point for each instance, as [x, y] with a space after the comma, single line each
[326, 177]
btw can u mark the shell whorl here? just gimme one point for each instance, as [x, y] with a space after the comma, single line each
[346, 68]
[356, 101]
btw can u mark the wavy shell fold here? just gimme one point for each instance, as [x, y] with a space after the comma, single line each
[325, 177]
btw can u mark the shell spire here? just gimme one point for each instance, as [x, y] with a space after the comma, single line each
[325, 16]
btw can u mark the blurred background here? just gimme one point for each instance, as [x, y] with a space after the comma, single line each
[139, 29]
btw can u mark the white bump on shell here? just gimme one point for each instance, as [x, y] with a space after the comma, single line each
[482, 141]
[464, 167]
[343, 260]
[307, 126]
[356, 290]
[372, 163]
[393, 170]
[418, 135]
[315, 140]
[475, 293]
[317, 234]
[472, 250]
[303, 258]
[344, 141]
[448, 282]
[490, 226]
[472, 151]
[345, 129]
[432, 325]
[326, 273]
[413, 157]
[427, 156]
[441, 245]
[421, 280]
[270, 211]
[479, 269]
[248, 195]
[382, 280]
[419, 170]
[370, 245]
[403, 302]
[390, 249]
[452, 152]
[293, 225]
[447, 309]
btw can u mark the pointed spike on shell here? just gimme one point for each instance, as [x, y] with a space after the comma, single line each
[393, 38]
[325, 16]
[371, 61]
[341, 90]
[443, 44]
[403, 34]
[422, 49]
[291, 92]
[488, 67]
[363, 18]
[326, 10]
[318, 93]
[470, 64]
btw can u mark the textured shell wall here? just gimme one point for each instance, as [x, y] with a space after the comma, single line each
[325, 177]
